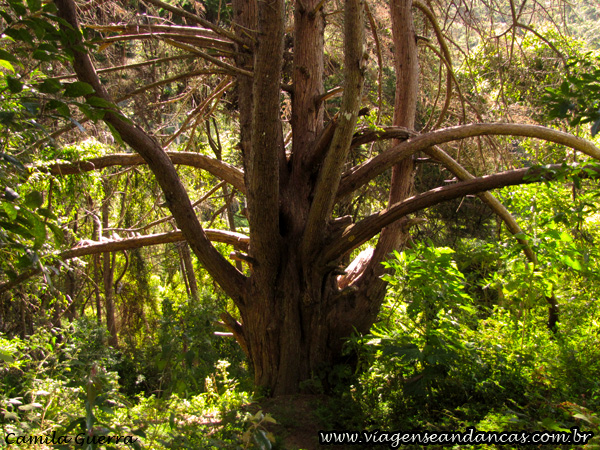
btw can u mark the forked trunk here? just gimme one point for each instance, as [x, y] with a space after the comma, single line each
[297, 316]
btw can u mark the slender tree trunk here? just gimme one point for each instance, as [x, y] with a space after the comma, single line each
[108, 265]
[189, 272]
[97, 235]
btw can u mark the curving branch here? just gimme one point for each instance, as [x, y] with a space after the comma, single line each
[129, 66]
[447, 59]
[501, 211]
[487, 197]
[373, 26]
[237, 240]
[223, 170]
[367, 135]
[216, 61]
[359, 233]
[196, 40]
[362, 174]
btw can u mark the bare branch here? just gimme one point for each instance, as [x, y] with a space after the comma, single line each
[359, 233]
[196, 40]
[448, 59]
[196, 19]
[216, 61]
[130, 66]
[223, 170]
[362, 174]
[237, 240]
[487, 197]
[373, 26]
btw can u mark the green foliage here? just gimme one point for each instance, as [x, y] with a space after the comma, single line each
[440, 358]
[64, 381]
[578, 96]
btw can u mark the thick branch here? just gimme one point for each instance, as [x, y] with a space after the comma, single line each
[367, 135]
[223, 170]
[237, 240]
[357, 234]
[228, 277]
[362, 174]
[329, 176]
[196, 40]
[487, 197]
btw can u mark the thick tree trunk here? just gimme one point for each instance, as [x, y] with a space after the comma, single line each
[303, 332]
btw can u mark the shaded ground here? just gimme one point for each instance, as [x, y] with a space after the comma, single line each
[297, 422]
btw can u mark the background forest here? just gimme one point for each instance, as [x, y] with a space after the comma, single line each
[112, 324]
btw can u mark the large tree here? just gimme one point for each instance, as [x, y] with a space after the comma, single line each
[296, 303]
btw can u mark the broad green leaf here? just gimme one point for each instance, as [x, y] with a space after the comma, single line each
[115, 133]
[78, 89]
[50, 86]
[91, 113]
[34, 199]
[7, 117]
[41, 55]
[6, 356]
[6, 16]
[45, 212]
[262, 441]
[6, 56]
[34, 5]
[99, 102]
[10, 415]
[61, 107]
[15, 86]
[37, 229]
[6, 66]
[19, 34]
[10, 210]
[30, 406]
[58, 234]
[572, 263]
[18, 7]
